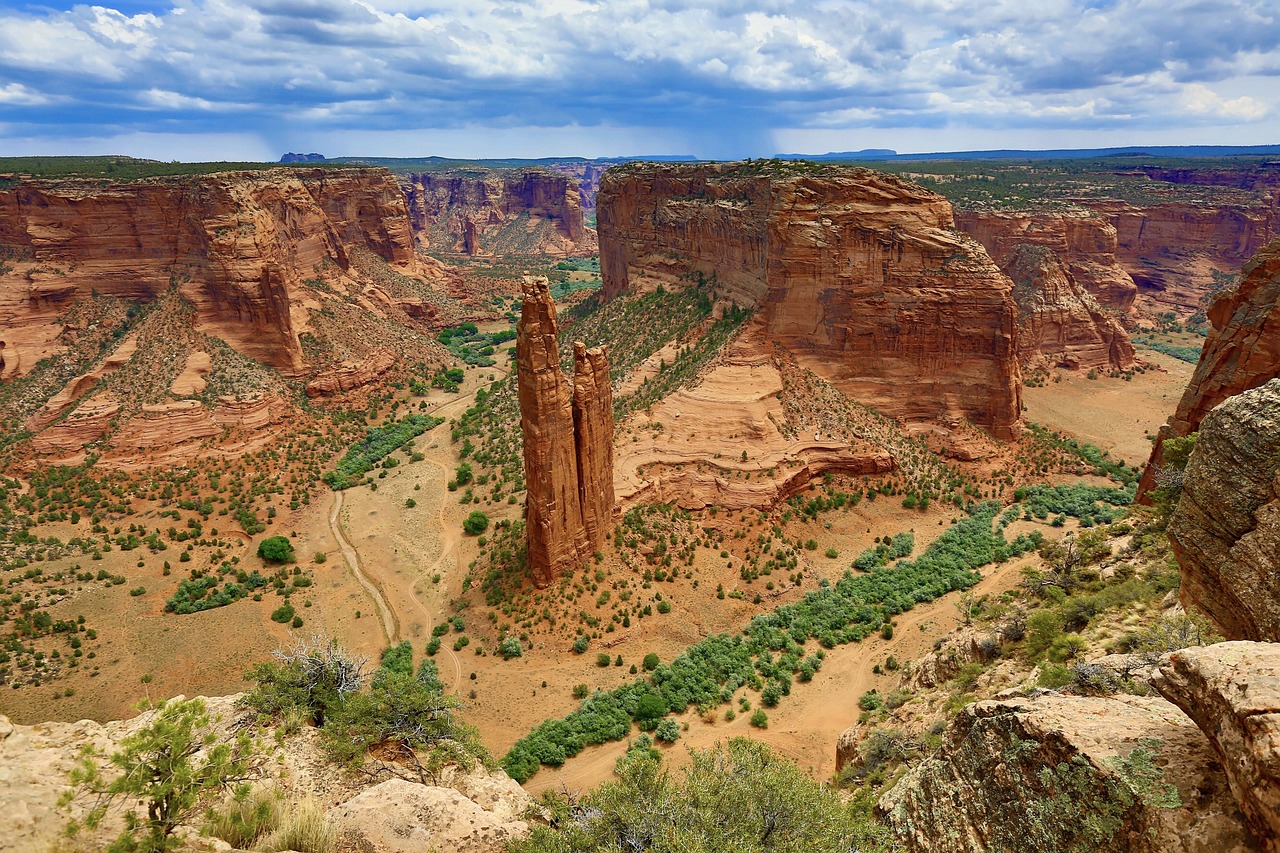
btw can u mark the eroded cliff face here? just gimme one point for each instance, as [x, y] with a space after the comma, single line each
[1226, 528]
[860, 274]
[237, 246]
[1175, 252]
[568, 441]
[1086, 244]
[1242, 351]
[523, 212]
[1049, 773]
[1060, 324]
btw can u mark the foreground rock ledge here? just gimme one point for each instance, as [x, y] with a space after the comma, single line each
[1042, 774]
[1232, 691]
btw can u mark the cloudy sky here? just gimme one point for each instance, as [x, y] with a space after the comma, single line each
[251, 79]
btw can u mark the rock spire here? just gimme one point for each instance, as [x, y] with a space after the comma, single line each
[568, 441]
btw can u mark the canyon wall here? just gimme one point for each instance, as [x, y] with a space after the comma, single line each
[1166, 255]
[1242, 351]
[568, 441]
[1060, 324]
[499, 212]
[1085, 243]
[237, 246]
[860, 274]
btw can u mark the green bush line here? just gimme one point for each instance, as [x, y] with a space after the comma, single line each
[380, 442]
[1103, 464]
[1191, 355]
[709, 672]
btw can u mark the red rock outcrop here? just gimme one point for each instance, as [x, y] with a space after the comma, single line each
[737, 403]
[567, 514]
[1226, 528]
[519, 211]
[1232, 692]
[237, 245]
[1241, 352]
[351, 374]
[1086, 244]
[593, 437]
[1060, 324]
[861, 274]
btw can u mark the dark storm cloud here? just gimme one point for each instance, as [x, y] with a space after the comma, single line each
[722, 74]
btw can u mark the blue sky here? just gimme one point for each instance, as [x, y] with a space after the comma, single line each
[251, 79]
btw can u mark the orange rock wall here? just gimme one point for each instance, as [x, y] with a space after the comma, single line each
[1086, 244]
[859, 273]
[1241, 352]
[527, 211]
[237, 245]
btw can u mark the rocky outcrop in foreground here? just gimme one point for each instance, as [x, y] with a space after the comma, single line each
[1226, 528]
[502, 212]
[468, 812]
[1232, 691]
[861, 274]
[1068, 773]
[1241, 352]
[568, 441]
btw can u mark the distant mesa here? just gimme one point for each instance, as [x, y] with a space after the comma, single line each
[301, 158]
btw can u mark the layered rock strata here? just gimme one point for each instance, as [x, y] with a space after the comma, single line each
[1241, 352]
[735, 404]
[568, 441]
[1060, 324]
[1057, 773]
[1226, 528]
[861, 274]
[238, 246]
[484, 213]
[1232, 691]
[1085, 243]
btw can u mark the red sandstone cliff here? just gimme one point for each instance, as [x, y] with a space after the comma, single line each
[568, 442]
[527, 211]
[1059, 322]
[1241, 352]
[861, 274]
[237, 245]
[1085, 243]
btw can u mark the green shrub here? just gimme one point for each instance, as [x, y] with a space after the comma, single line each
[476, 523]
[276, 549]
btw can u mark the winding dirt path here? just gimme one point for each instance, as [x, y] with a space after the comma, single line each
[448, 544]
[390, 625]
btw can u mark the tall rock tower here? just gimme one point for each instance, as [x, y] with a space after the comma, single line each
[568, 441]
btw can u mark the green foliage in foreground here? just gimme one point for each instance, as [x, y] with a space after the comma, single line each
[769, 651]
[739, 798]
[407, 713]
[169, 765]
[378, 443]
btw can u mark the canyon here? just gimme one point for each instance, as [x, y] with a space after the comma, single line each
[861, 293]
[488, 213]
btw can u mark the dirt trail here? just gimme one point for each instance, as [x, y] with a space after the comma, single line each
[390, 626]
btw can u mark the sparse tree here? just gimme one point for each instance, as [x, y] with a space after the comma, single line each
[169, 765]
